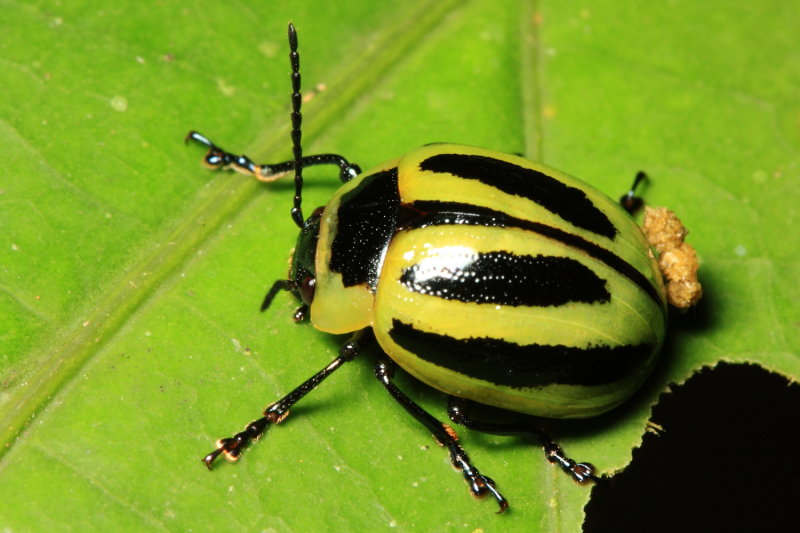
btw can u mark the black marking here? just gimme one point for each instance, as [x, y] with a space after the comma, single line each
[524, 366]
[367, 218]
[434, 213]
[503, 278]
[569, 203]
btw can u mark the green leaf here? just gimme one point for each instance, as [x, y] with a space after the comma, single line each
[131, 277]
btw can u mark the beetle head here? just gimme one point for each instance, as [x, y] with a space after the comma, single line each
[302, 273]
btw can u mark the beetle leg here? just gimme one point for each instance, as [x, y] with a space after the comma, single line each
[219, 158]
[458, 410]
[479, 484]
[277, 286]
[629, 201]
[276, 413]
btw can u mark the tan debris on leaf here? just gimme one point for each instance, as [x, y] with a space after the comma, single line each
[676, 259]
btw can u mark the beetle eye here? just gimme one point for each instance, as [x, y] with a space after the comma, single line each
[306, 289]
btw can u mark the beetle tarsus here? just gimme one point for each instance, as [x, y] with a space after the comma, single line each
[479, 484]
[300, 314]
[581, 472]
[459, 411]
[218, 158]
[232, 447]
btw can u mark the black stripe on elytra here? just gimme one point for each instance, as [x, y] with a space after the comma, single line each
[366, 221]
[523, 366]
[503, 278]
[569, 203]
[434, 213]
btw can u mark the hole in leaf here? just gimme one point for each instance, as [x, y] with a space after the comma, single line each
[726, 460]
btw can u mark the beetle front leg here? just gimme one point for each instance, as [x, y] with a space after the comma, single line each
[276, 413]
[458, 409]
[219, 158]
[479, 484]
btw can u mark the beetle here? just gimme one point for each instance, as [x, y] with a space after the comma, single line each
[492, 278]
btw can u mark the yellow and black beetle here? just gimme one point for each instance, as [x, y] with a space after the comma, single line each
[490, 277]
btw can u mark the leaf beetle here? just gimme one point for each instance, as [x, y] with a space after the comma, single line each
[494, 279]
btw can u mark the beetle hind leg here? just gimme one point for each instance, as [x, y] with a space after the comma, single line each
[458, 409]
[479, 484]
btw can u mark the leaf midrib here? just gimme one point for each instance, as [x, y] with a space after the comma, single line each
[86, 336]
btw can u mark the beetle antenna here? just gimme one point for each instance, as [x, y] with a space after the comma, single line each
[297, 121]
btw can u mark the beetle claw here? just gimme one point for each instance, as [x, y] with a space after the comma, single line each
[479, 484]
[582, 473]
[209, 459]
[232, 447]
